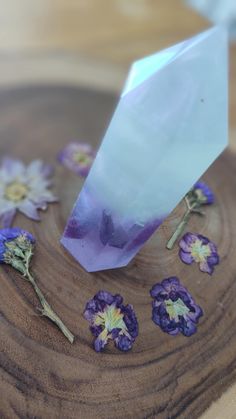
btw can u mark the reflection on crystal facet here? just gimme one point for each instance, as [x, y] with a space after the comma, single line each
[169, 126]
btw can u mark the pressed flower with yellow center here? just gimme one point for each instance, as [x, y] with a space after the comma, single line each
[16, 191]
[111, 320]
[200, 251]
[77, 157]
[23, 188]
[198, 248]
[173, 308]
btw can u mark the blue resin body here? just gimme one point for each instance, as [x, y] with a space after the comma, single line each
[170, 124]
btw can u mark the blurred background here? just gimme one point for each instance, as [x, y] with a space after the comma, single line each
[93, 43]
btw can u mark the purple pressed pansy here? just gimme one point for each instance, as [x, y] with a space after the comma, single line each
[198, 248]
[77, 157]
[23, 188]
[203, 193]
[110, 319]
[174, 309]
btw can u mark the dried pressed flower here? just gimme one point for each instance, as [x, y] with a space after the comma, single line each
[174, 309]
[199, 249]
[198, 196]
[110, 320]
[78, 157]
[202, 194]
[16, 249]
[23, 188]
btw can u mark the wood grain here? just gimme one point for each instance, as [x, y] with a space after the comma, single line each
[42, 375]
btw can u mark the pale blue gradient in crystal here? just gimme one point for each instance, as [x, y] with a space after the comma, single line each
[171, 123]
[166, 131]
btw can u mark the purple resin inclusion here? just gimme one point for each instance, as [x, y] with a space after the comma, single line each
[100, 239]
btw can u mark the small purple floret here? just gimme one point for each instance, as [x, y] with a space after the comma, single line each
[9, 235]
[204, 193]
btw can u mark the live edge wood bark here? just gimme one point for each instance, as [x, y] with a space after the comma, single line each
[42, 375]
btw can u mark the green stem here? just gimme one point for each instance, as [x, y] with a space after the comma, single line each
[47, 310]
[179, 230]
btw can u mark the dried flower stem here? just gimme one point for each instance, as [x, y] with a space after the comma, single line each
[16, 250]
[181, 226]
[47, 310]
[179, 230]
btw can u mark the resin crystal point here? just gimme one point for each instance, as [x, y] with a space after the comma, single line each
[170, 124]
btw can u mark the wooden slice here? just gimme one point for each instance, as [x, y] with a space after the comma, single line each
[42, 374]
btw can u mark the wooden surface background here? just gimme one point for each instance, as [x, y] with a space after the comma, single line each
[92, 43]
[43, 375]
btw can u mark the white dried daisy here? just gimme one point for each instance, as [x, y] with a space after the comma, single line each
[24, 188]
